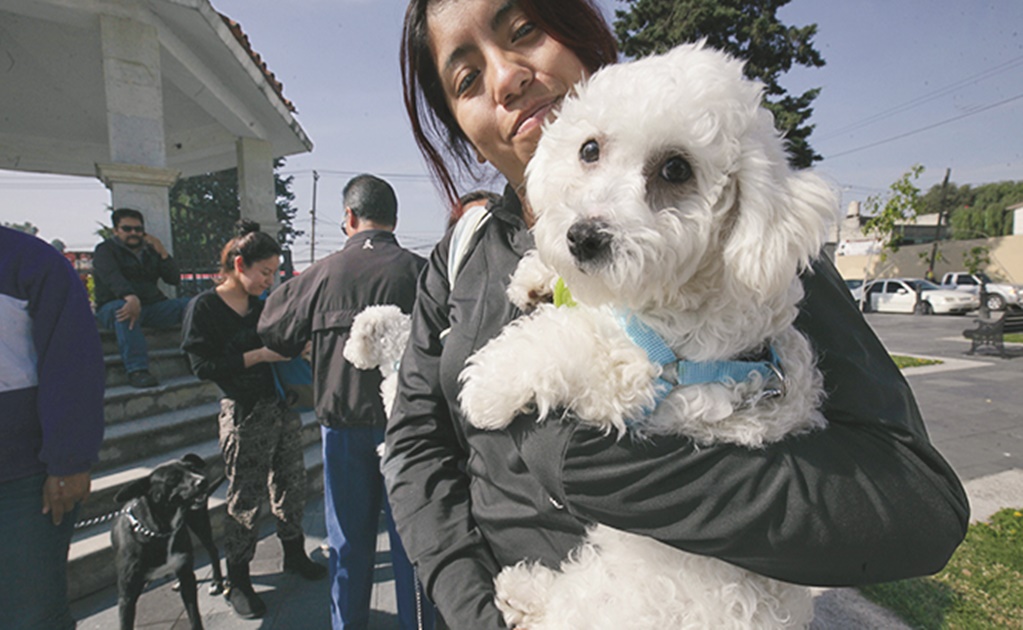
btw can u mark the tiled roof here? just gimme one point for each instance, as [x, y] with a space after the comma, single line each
[243, 39]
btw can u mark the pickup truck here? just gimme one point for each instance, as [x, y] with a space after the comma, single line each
[998, 293]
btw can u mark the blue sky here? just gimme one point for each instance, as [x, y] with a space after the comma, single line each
[935, 82]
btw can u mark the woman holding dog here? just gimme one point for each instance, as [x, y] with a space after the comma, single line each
[866, 499]
[259, 436]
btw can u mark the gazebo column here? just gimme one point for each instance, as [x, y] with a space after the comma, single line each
[256, 195]
[136, 175]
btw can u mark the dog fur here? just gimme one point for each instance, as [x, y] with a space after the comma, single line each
[661, 189]
[377, 339]
[165, 505]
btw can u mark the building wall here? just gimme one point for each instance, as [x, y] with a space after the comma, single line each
[1006, 254]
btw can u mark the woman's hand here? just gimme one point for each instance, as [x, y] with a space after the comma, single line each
[60, 494]
[262, 355]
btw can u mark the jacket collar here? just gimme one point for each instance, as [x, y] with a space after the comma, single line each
[366, 239]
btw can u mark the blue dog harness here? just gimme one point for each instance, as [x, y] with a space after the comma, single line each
[676, 372]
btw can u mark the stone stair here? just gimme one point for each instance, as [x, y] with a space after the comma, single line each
[145, 427]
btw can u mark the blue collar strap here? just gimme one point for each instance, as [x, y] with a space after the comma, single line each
[680, 373]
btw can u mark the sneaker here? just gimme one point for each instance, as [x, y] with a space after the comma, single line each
[142, 379]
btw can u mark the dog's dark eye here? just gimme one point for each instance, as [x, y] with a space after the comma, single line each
[589, 152]
[676, 170]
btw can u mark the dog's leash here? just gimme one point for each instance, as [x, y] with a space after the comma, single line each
[96, 520]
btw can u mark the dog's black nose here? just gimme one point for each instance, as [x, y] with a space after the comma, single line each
[589, 239]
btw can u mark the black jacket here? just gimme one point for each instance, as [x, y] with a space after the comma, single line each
[320, 305]
[867, 499]
[216, 339]
[119, 272]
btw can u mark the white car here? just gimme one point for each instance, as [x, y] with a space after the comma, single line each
[899, 295]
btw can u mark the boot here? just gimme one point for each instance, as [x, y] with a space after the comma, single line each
[240, 594]
[296, 560]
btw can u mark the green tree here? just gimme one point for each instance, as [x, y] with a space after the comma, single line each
[25, 227]
[204, 209]
[978, 210]
[747, 29]
[899, 205]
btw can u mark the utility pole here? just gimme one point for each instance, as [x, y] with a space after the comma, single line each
[937, 228]
[312, 232]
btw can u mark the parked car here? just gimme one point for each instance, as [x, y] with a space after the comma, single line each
[999, 294]
[899, 295]
[855, 287]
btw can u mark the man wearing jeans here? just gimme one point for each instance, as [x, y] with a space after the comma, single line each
[51, 393]
[126, 268]
[319, 305]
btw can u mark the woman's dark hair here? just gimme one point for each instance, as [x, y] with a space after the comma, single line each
[249, 243]
[576, 24]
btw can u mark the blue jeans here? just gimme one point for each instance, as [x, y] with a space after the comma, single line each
[33, 557]
[132, 341]
[354, 495]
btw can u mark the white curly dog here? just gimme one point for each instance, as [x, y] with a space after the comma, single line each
[664, 202]
[377, 339]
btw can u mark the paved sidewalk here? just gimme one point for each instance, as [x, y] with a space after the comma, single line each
[973, 407]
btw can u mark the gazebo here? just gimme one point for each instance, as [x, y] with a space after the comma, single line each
[139, 93]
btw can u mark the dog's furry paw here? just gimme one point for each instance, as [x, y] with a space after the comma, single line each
[521, 594]
[532, 284]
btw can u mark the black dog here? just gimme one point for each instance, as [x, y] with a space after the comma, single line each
[149, 539]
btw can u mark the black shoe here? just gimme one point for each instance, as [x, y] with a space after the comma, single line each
[240, 594]
[142, 379]
[296, 560]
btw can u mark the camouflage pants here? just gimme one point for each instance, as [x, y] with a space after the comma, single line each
[262, 455]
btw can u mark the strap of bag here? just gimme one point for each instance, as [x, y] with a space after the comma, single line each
[461, 239]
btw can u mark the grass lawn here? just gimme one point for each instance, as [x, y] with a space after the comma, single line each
[981, 588]
[1017, 337]
[905, 362]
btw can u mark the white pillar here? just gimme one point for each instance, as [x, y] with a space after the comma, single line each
[256, 183]
[136, 175]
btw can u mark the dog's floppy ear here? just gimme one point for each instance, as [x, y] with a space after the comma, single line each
[133, 490]
[780, 223]
[194, 460]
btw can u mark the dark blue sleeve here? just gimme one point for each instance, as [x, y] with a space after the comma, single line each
[70, 363]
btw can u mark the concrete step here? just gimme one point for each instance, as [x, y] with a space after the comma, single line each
[123, 402]
[156, 339]
[90, 560]
[164, 364]
[108, 479]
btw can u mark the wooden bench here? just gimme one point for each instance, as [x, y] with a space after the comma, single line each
[991, 332]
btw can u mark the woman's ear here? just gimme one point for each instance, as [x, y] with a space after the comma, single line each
[239, 264]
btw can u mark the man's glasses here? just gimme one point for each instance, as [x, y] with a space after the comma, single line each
[132, 228]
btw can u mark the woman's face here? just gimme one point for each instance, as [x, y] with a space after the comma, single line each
[259, 277]
[502, 76]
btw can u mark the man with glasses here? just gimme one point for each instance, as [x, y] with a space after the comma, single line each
[126, 268]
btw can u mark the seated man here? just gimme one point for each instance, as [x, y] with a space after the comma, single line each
[126, 268]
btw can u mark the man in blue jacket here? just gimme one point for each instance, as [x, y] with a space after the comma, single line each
[126, 268]
[51, 393]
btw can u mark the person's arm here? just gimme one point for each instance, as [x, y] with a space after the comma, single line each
[285, 325]
[867, 499]
[203, 343]
[70, 380]
[168, 267]
[424, 470]
[106, 267]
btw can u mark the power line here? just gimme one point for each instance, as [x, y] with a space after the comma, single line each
[928, 97]
[926, 128]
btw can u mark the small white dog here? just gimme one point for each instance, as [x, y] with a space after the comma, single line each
[377, 339]
[664, 202]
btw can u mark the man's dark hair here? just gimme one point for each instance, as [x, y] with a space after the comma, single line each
[371, 199]
[120, 213]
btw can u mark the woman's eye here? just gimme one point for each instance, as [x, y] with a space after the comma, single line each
[676, 170]
[467, 82]
[523, 30]
[590, 151]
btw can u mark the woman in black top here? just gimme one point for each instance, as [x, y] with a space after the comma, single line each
[259, 436]
[866, 499]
